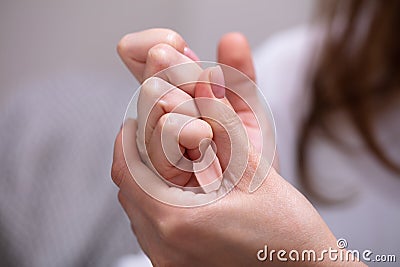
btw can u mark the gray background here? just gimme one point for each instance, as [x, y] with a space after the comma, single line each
[63, 93]
[41, 38]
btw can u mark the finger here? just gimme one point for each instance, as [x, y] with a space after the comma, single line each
[158, 97]
[149, 182]
[230, 136]
[212, 84]
[163, 56]
[208, 171]
[173, 135]
[133, 48]
[234, 51]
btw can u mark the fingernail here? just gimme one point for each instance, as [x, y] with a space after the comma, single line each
[216, 77]
[190, 54]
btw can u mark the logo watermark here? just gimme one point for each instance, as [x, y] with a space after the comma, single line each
[340, 253]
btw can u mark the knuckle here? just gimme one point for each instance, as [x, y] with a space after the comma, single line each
[164, 121]
[123, 44]
[160, 55]
[168, 229]
[203, 125]
[151, 88]
[175, 39]
[169, 124]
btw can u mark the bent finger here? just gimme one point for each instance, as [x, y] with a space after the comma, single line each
[133, 48]
[173, 136]
[184, 73]
[146, 187]
[158, 97]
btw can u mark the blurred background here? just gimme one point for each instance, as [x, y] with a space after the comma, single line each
[39, 38]
[63, 93]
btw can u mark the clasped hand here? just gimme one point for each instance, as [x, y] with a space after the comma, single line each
[231, 230]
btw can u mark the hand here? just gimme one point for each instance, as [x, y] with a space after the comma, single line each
[228, 232]
[160, 110]
[147, 52]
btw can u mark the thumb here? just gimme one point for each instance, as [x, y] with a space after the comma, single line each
[229, 134]
[234, 51]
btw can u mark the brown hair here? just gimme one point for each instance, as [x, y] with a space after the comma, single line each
[357, 73]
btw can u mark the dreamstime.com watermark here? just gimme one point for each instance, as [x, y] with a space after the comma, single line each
[333, 254]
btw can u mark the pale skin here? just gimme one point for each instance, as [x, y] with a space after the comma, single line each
[228, 232]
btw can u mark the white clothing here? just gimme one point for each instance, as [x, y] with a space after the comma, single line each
[371, 219]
